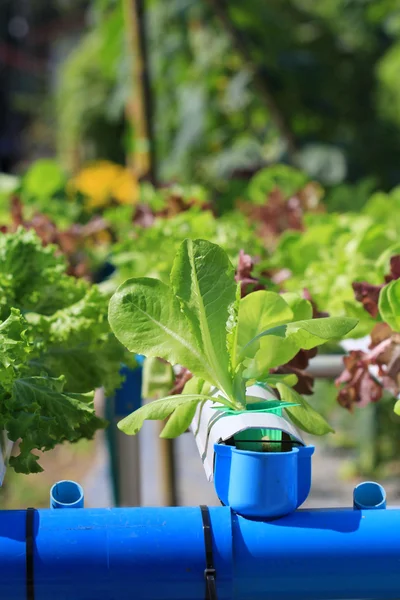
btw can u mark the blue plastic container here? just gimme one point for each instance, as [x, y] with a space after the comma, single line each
[129, 396]
[262, 484]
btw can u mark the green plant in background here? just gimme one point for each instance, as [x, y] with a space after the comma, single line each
[269, 97]
[199, 321]
[56, 349]
[150, 251]
[332, 253]
[93, 92]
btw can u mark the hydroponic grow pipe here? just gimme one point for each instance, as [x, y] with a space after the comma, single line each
[159, 553]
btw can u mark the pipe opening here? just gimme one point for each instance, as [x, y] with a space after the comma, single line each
[66, 494]
[369, 495]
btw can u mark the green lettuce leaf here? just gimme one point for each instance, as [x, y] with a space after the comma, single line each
[303, 416]
[78, 344]
[158, 410]
[259, 312]
[182, 416]
[301, 308]
[278, 345]
[271, 351]
[147, 318]
[180, 420]
[56, 346]
[313, 332]
[33, 278]
[14, 347]
[203, 278]
[397, 407]
[290, 379]
[389, 304]
[43, 415]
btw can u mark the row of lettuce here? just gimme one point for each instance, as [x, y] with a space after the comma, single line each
[282, 260]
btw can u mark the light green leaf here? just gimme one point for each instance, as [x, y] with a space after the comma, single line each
[156, 411]
[303, 416]
[203, 277]
[180, 420]
[258, 312]
[44, 178]
[309, 333]
[195, 385]
[290, 379]
[157, 379]
[273, 351]
[389, 304]
[147, 318]
[302, 308]
[314, 332]
[397, 407]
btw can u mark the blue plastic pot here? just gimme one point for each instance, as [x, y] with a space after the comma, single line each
[262, 484]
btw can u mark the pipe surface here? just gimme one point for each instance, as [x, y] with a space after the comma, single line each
[159, 554]
[326, 366]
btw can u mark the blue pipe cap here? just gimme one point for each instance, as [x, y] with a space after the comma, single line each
[66, 494]
[369, 496]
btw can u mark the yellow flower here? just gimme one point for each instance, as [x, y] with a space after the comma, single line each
[103, 181]
[126, 188]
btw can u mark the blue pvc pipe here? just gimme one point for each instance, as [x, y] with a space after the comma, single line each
[66, 494]
[158, 554]
[369, 495]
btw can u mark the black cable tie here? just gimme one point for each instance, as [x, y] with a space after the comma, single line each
[209, 572]
[29, 543]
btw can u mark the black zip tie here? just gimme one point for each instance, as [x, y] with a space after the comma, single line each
[29, 543]
[209, 572]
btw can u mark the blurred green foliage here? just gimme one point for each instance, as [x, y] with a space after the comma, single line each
[330, 66]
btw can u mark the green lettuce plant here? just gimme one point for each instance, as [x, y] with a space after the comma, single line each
[333, 252]
[56, 349]
[151, 251]
[199, 321]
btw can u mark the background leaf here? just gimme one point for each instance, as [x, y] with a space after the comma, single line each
[389, 304]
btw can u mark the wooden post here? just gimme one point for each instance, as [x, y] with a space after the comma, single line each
[139, 110]
[168, 483]
[129, 481]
